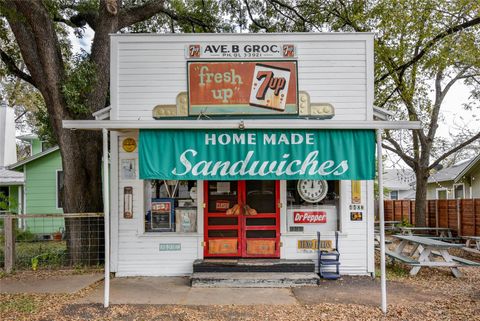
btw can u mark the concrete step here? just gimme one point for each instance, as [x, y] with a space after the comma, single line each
[252, 280]
[253, 265]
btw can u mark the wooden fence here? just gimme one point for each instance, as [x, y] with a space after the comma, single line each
[462, 215]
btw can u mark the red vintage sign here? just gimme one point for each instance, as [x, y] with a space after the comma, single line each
[306, 217]
[222, 205]
[161, 206]
[242, 87]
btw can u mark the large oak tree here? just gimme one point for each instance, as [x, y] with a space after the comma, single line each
[35, 48]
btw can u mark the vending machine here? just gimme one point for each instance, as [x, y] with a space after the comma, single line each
[163, 215]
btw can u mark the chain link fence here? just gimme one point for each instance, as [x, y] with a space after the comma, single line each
[51, 241]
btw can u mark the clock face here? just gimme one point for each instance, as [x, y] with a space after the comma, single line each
[312, 191]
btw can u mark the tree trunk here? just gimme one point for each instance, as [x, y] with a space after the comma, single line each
[81, 160]
[421, 197]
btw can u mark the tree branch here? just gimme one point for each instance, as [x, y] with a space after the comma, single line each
[409, 163]
[439, 97]
[143, 12]
[453, 150]
[397, 149]
[133, 15]
[429, 45]
[12, 67]
[255, 22]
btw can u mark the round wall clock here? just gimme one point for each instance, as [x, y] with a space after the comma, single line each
[312, 191]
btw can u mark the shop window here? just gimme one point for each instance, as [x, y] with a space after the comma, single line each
[171, 206]
[306, 194]
[312, 206]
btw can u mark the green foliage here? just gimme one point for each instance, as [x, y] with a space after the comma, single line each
[404, 223]
[24, 236]
[81, 78]
[8, 203]
[50, 258]
[43, 127]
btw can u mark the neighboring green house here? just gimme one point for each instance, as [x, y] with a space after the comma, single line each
[43, 185]
[461, 180]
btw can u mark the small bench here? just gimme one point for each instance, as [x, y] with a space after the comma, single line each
[459, 259]
[400, 257]
[446, 238]
[465, 261]
[471, 250]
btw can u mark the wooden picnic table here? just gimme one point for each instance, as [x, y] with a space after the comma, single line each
[472, 241]
[425, 248]
[443, 231]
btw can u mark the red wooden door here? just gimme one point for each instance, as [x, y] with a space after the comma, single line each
[242, 219]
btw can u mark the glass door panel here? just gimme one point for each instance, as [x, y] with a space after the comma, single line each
[261, 233]
[222, 219]
[242, 219]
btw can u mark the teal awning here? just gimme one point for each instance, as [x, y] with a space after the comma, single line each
[228, 154]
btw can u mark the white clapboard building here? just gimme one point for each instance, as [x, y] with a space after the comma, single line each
[240, 147]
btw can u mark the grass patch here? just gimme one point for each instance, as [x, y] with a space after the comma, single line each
[40, 254]
[394, 271]
[18, 304]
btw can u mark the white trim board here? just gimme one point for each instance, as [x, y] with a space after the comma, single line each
[237, 124]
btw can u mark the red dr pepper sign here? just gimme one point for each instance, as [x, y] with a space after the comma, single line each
[229, 86]
[304, 217]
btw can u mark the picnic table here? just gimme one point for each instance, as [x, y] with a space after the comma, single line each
[444, 232]
[426, 248]
[389, 226]
[472, 244]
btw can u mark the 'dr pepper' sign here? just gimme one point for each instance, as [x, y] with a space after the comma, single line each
[244, 87]
[312, 217]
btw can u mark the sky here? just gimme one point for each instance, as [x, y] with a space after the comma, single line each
[452, 116]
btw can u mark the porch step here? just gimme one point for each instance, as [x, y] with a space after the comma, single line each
[254, 265]
[253, 280]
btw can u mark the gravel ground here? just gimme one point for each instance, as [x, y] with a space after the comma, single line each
[452, 299]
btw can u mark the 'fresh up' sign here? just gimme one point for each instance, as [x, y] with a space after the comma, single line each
[309, 217]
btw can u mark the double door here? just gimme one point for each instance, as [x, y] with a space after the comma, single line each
[242, 219]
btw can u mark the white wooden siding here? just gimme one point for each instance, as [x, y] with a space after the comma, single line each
[137, 253]
[355, 243]
[148, 70]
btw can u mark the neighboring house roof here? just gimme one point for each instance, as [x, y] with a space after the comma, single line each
[382, 114]
[33, 157]
[468, 168]
[27, 137]
[449, 173]
[8, 177]
[399, 179]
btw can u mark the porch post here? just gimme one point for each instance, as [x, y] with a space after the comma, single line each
[383, 280]
[106, 215]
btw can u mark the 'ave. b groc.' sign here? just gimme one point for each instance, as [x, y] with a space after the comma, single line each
[312, 217]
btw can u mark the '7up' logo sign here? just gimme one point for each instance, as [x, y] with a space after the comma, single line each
[269, 87]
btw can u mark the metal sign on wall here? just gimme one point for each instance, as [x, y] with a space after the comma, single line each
[240, 50]
[242, 87]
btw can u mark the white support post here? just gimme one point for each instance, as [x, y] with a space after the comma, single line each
[106, 213]
[383, 279]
